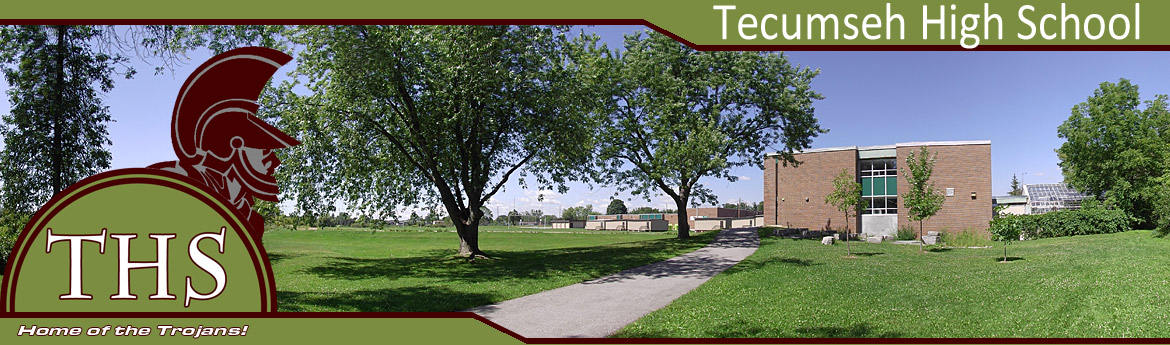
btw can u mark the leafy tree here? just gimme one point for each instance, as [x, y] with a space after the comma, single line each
[578, 212]
[1116, 147]
[1016, 188]
[56, 132]
[679, 115]
[1162, 207]
[922, 199]
[739, 205]
[616, 206]
[397, 113]
[414, 218]
[846, 197]
[758, 207]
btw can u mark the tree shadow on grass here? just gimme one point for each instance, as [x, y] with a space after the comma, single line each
[868, 254]
[588, 262]
[274, 258]
[393, 300]
[798, 262]
[940, 249]
[1009, 259]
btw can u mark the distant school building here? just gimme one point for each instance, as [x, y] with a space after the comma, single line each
[795, 196]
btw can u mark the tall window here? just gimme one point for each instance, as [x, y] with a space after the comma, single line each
[879, 185]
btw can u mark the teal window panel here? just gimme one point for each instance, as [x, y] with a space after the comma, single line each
[866, 186]
[892, 185]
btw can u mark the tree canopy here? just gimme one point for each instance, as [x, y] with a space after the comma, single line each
[616, 206]
[922, 199]
[578, 212]
[679, 115]
[396, 114]
[1117, 147]
[56, 133]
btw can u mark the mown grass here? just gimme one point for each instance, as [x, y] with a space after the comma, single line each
[350, 270]
[1114, 285]
[482, 228]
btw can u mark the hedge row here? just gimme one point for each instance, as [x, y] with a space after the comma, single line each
[1065, 223]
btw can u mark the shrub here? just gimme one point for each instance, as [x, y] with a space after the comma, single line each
[969, 237]
[1065, 223]
[907, 233]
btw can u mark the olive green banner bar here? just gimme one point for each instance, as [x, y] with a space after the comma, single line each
[722, 24]
[258, 330]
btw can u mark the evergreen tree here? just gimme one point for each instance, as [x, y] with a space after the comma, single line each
[1017, 189]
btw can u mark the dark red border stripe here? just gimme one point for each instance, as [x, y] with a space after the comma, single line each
[643, 22]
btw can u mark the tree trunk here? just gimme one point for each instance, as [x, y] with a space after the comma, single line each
[58, 111]
[848, 250]
[468, 240]
[467, 226]
[921, 240]
[684, 226]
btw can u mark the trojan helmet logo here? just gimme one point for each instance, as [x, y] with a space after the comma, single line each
[176, 236]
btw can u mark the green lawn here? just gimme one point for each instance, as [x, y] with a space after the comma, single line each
[354, 270]
[1115, 285]
[482, 228]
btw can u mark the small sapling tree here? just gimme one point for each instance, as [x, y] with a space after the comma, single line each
[846, 197]
[1006, 229]
[922, 200]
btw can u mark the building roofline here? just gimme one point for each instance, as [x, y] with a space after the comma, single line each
[886, 147]
[825, 149]
[944, 143]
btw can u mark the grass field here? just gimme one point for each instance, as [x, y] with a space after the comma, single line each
[360, 270]
[1115, 285]
[482, 228]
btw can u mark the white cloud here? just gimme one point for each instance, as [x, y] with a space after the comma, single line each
[1040, 173]
[744, 178]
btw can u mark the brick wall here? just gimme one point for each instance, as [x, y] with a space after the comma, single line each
[967, 169]
[797, 197]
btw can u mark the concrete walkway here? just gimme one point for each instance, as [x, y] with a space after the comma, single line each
[600, 307]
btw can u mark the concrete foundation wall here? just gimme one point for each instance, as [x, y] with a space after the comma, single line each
[879, 225]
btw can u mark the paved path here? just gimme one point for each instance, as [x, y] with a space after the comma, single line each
[600, 307]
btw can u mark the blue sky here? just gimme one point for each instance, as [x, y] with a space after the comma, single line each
[1014, 99]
